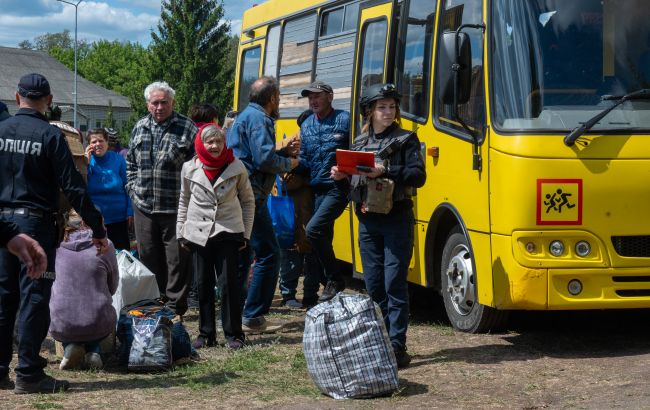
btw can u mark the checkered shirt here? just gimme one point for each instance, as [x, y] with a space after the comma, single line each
[153, 165]
[347, 348]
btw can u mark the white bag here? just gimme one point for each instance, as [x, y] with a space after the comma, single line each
[136, 282]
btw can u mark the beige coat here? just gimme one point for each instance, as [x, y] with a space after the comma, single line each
[204, 210]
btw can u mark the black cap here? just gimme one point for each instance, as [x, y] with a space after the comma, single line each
[33, 86]
[317, 87]
[377, 92]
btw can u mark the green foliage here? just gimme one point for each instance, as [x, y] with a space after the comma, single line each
[191, 51]
[110, 122]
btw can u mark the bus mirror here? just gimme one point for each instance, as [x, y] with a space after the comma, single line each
[452, 62]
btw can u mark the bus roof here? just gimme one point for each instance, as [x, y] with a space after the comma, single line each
[272, 10]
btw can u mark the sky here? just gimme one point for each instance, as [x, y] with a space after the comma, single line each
[123, 20]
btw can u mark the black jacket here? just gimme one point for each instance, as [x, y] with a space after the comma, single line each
[35, 162]
[406, 165]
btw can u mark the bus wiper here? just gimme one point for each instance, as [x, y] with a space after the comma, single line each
[571, 137]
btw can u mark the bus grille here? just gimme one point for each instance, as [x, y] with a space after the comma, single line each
[632, 246]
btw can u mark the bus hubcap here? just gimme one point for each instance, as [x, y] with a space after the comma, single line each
[460, 281]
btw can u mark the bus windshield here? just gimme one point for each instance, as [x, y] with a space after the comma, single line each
[553, 60]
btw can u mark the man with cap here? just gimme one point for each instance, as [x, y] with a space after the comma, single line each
[322, 133]
[35, 164]
[4, 111]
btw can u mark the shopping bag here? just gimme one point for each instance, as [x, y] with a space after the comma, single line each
[136, 282]
[282, 213]
[347, 348]
[152, 344]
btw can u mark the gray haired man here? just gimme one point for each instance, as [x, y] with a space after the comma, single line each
[160, 143]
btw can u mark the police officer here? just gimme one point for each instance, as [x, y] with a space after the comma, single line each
[386, 233]
[35, 164]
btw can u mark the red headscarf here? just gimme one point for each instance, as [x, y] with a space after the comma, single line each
[216, 164]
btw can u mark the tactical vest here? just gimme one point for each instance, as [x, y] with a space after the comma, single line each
[378, 194]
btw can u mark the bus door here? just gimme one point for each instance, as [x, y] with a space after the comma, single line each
[373, 65]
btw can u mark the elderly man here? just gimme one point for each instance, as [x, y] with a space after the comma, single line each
[252, 138]
[322, 133]
[160, 143]
[35, 165]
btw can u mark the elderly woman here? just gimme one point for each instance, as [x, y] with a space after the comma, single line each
[81, 308]
[215, 219]
[106, 186]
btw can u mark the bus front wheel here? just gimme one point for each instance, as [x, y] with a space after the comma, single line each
[459, 289]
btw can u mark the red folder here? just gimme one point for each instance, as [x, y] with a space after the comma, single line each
[347, 161]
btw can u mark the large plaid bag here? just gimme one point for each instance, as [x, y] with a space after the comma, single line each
[347, 348]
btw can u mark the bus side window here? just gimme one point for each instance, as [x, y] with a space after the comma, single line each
[272, 51]
[414, 62]
[296, 63]
[250, 69]
[455, 13]
[373, 37]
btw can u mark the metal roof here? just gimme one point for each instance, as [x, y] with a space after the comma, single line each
[16, 62]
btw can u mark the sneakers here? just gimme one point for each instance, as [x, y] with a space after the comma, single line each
[202, 342]
[73, 357]
[93, 361]
[331, 289]
[235, 344]
[263, 327]
[402, 357]
[292, 303]
[46, 385]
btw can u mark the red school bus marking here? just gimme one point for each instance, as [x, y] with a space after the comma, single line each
[559, 202]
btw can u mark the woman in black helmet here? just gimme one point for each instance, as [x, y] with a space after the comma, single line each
[385, 231]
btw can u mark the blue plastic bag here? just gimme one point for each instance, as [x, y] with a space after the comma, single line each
[283, 216]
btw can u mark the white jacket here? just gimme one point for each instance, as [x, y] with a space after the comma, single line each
[204, 210]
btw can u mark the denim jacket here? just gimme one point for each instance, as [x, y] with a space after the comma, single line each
[252, 139]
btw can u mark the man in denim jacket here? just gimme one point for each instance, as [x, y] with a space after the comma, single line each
[252, 138]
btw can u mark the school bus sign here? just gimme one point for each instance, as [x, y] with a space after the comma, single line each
[559, 202]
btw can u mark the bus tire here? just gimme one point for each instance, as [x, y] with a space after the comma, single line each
[460, 291]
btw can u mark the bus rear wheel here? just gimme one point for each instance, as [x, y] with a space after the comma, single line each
[459, 289]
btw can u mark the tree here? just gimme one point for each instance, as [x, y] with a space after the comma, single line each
[26, 45]
[190, 50]
[109, 122]
[48, 41]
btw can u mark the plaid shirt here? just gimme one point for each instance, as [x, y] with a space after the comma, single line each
[153, 165]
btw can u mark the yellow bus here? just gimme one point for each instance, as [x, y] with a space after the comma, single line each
[534, 118]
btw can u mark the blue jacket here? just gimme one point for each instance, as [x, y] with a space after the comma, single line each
[106, 182]
[319, 140]
[252, 139]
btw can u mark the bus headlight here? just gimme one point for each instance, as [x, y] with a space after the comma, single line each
[583, 248]
[556, 248]
[574, 287]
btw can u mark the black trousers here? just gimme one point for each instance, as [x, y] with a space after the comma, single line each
[218, 260]
[160, 252]
[118, 233]
[27, 299]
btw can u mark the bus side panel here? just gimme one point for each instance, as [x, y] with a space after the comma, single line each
[483, 260]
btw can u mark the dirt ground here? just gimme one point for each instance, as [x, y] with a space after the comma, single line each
[556, 360]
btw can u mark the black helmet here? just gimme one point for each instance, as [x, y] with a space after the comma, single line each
[377, 92]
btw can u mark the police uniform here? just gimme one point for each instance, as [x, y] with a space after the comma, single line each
[386, 239]
[35, 163]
